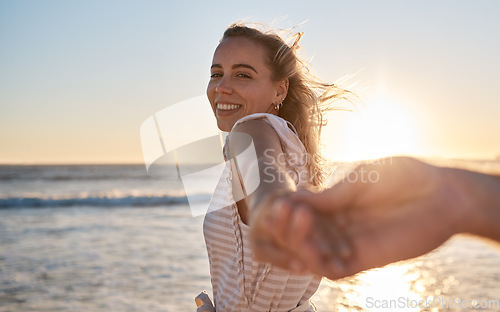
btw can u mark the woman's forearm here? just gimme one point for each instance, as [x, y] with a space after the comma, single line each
[274, 181]
[259, 174]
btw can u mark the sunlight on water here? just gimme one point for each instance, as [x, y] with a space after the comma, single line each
[380, 289]
[446, 279]
[389, 287]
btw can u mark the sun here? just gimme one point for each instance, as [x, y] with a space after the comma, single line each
[382, 127]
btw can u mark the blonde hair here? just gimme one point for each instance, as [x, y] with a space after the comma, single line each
[308, 97]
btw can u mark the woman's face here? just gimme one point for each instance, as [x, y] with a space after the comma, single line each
[240, 82]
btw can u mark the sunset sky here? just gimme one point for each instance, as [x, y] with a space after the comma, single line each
[77, 79]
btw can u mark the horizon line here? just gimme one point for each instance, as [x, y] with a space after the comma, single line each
[134, 163]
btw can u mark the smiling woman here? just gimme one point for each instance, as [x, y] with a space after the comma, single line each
[266, 97]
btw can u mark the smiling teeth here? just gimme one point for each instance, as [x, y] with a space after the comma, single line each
[227, 106]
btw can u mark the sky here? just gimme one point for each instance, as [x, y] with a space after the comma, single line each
[78, 78]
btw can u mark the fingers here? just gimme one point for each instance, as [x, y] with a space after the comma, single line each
[301, 223]
[316, 241]
[271, 224]
[271, 235]
[329, 244]
[298, 238]
[343, 243]
[265, 251]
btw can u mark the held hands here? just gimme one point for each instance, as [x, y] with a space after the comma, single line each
[409, 210]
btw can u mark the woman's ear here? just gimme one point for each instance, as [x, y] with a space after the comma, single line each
[281, 90]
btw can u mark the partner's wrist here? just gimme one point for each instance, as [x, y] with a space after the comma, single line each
[486, 201]
[456, 200]
[467, 204]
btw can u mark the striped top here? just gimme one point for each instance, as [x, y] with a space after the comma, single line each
[239, 282]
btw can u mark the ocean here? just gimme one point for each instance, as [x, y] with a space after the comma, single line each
[114, 238]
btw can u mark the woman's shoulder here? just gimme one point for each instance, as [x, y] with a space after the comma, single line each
[264, 124]
[257, 116]
[254, 130]
[277, 123]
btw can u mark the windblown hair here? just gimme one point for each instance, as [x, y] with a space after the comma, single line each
[308, 98]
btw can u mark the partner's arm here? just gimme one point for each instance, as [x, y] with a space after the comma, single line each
[411, 209]
[480, 194]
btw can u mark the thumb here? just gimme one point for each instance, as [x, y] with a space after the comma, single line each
[333, 199]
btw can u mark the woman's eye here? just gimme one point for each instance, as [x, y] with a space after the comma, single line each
[241, 75]
[215, 75]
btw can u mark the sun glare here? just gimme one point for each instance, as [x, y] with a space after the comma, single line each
[382, 127]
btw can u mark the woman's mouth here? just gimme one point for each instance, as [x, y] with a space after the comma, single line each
[227, 107]
[227, 110]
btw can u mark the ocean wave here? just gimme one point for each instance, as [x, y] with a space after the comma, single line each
[64, 173]
[100, 201]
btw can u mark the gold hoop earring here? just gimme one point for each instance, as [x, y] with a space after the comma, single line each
[278, 106]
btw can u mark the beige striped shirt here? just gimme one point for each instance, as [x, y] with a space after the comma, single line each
[239, 282]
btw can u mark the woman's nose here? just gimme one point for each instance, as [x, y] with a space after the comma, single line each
[223, 86]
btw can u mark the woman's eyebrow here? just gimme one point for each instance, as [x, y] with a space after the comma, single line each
[236, 66]
[245, 66]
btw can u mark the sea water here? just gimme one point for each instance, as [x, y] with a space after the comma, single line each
[113, 238]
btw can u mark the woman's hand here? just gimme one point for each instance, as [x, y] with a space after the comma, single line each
[279, 223]
[269, 227]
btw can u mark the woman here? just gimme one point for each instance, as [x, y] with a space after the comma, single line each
[265, 97]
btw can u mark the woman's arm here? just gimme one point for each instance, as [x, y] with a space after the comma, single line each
[258, 169]
[265, 180]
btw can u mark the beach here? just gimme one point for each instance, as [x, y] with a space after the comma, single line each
[112, 238]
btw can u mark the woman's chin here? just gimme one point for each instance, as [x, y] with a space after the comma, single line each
[225, 125]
